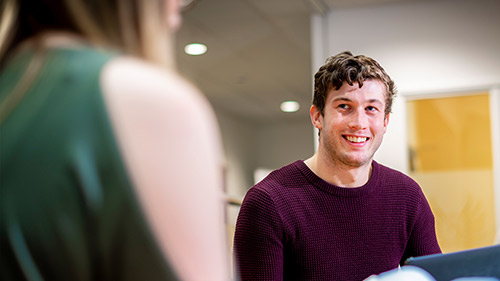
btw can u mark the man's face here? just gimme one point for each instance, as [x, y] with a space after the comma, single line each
[353, 124]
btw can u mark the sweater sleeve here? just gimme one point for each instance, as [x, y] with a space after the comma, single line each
[258, 244]
[422, 240]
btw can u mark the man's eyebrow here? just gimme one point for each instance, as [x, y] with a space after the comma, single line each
[341, 99]
[375, 101]
[349, 100]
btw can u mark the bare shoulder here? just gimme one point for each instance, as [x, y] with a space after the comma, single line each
[148, 104]
[133, 80]
[138, 93]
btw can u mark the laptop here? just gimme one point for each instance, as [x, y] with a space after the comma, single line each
[479, 262]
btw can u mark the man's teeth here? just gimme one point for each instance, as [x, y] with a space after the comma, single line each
[356, 139]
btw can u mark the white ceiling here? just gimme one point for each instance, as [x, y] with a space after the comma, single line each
[259, 53]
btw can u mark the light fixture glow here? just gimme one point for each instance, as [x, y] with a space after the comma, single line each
[290, 106]
[195, 49]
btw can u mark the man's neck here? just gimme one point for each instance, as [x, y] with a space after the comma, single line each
[339, 174]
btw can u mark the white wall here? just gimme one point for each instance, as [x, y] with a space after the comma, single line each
[239, 139]
[495, 132]
[271, 145]
[284, 142]
[428, 45]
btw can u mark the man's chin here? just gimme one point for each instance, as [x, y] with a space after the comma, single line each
[357, 162]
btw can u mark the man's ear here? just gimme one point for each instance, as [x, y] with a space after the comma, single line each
[316, 117]
[386, 121]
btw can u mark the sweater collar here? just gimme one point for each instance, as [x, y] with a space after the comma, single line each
[318, 182]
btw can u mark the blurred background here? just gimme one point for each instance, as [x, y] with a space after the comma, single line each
[444, 56]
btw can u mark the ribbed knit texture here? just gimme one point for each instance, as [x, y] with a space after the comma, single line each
[295, 226]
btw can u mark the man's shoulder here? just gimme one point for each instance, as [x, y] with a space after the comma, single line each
[285, 177]
[280, 189]
[399, 189]
[389, 172]
[395, 178]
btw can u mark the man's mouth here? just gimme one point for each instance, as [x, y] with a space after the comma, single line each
[354, 139]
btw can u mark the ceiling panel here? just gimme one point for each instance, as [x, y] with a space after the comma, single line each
[258, 54]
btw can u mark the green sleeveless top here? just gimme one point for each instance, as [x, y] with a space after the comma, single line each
[67, 208]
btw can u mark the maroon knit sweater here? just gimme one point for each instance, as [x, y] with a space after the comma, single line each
[295, 226]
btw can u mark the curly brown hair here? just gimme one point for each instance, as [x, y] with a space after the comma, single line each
[345, 67]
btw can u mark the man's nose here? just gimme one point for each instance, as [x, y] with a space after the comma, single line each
[358, 120]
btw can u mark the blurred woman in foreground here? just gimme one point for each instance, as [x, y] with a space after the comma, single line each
[110, 162]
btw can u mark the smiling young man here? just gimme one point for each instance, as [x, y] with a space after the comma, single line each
[338, 215]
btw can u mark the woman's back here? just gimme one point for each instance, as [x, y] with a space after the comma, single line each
[68, 211]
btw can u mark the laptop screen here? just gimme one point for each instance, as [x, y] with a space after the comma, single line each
[479, 262]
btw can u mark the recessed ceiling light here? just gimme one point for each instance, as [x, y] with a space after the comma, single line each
[195, 49]
[290, 106]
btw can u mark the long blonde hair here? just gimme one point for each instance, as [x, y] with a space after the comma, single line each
[135, 27]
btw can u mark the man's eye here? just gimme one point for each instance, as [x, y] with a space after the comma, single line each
[343, 106]
[371, 108]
